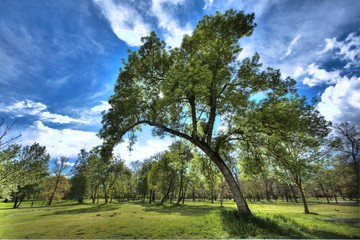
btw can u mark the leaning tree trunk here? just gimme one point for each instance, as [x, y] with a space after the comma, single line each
[239, 199]
[303, 198]
[323, 190]
[54, 191]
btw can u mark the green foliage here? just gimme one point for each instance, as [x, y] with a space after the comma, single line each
[184, 91]
[21, 169]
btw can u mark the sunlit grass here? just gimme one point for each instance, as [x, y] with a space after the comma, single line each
[194, 220]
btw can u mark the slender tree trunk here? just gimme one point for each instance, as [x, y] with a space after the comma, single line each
[150, 196]
[323, 190]
[21, 200]
[167, 192]
[342, 194]
[16, 199]
[333, 191]
[303, 198]
[293, 193]
[180, 187]
[54, 191]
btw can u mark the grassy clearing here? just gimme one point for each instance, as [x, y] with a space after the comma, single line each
[194, 220]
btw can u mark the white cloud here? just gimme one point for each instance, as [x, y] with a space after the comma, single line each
[142, 150]
[130, 25]
[341, 102]
[246, 52]
[348, 50]
[65, 142]
[292, 44]
[28, 107]
[299, 71]
[331, 43]
[69, 142]
[125, 21]
[90, 116]
[208, 4]
[317, 76]
[174, 32]
[58, 118]
[104, 106]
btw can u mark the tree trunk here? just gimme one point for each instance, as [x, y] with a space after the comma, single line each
[54, 191]
[167, 192]
[306, 209]
[333, 191]
[180, 187]
[16, 199]
[21, 200]
[150, 196]
[323, 190]
[239, 199]
[293, 193]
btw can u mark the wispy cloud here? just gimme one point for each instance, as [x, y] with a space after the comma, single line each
[174, 32]
[292, 44]
[28, 107]
[130, 23]
[125, 21]
[208, 3]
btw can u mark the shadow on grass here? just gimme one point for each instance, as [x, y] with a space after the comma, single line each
[185, 210]
[85, 209]
[276, 226]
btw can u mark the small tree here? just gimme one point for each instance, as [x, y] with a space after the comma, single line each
[348, 143]
[296, 144]
[60, 166]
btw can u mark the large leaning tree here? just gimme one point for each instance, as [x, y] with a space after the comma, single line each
[188, 91]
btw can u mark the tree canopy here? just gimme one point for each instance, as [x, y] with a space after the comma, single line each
[188, 91]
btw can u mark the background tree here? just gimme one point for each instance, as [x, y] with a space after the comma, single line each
[5, 128]
[63, 186]
[60, 166]
[184, 91]
[33, 162]
[348, 143]
[9, 167]
[296, 145]
[10, 170]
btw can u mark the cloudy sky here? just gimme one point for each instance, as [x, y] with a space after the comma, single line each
[59, 59]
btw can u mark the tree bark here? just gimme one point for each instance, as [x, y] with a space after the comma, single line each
[54, 191]
[239, 199]
[323, 190]
[293, 193]
[303, 198]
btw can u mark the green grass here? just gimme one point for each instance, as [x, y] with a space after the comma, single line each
[194, 220]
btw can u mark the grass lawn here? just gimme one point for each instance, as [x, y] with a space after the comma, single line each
[194, 220]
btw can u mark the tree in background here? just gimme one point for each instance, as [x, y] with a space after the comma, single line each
[10, 170]
[184, 91]
[348, 144]
[9, 167]
[60, 166]
[62, 188]
[5, 128]
[33, 161]
[296, 147]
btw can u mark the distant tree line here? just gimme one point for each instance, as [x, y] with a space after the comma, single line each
[182, 173]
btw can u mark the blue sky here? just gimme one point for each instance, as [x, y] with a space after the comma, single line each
[60, 59]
